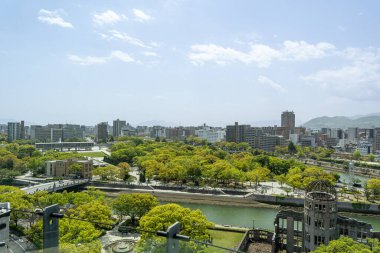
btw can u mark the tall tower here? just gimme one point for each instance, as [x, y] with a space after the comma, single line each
[117, 127]
[288, 119]
[13, 131]
[320, 215]
[102, 132]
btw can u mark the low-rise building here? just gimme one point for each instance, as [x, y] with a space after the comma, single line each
[61, 168]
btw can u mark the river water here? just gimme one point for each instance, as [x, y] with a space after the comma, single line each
[260, 216]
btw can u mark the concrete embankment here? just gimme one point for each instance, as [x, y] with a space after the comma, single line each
[249, 200]
[186, 197]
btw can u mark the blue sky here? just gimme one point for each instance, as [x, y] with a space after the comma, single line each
[187, 62]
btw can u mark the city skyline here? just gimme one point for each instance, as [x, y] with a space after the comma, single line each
[187, 63]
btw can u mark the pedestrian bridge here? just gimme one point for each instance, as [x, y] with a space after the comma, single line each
[55, 186]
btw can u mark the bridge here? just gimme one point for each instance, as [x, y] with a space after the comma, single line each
[55, 186]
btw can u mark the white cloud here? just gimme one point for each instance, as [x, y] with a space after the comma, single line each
[149, 53]
[263, 55]
[53, 18]
[220, 55]
[141, 16]
[303, 51]
[114, 34]
[107, 17]
[260, 54]
[269, 82]
[88, 60]
[369, 55]
[91, 60]
[358, 81]
[121, 56]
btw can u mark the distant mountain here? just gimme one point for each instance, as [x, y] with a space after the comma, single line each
[367, 121]
[361, 116]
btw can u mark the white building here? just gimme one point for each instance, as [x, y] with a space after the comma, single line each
[211, 135]
[364, 147]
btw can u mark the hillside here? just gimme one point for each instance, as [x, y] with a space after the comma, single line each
[343, 122]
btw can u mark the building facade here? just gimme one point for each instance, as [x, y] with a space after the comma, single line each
[14, 131]
[102, 132]
[61, 168]
[318, 224]
[288, 119]
[117, 127]
[211, 135]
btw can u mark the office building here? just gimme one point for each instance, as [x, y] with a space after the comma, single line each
[376, 140]
[22, 130]
[14, 131]
[56, 132]
[158, 132]
[117, 127]
[102, 132]
[128, 130]
[288, 119]
[352, 134]
[237, 133]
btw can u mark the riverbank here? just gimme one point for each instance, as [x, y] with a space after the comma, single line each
[197, 198]
[248, 200]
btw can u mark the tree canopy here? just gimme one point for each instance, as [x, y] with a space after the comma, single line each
[134, 205]
[347, 245]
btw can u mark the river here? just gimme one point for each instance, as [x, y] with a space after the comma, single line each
[262, 217]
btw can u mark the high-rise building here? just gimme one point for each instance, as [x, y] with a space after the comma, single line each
[237, 133]
[288, 119]
[352, 133]
[22, 130]
[14, 131]
[118, 125]
[102, 132]
[56, 132]
[376, 140]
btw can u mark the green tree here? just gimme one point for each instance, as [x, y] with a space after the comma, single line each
[125, 168]
[70, 232]
[95, 211]
[292, 148]
[371, 157]
[91, 247]
[134, 205]
[18, 199]
[373, 186]
[151, 168]
[344, 245]
[257, 175]
[107, 173]
[280, 178]
[75, 168]
[356, 155]
[193, 224]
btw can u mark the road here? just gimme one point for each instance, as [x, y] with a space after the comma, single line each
[20, 244]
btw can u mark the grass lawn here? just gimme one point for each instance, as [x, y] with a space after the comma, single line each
[92, 154]
[224, 239]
